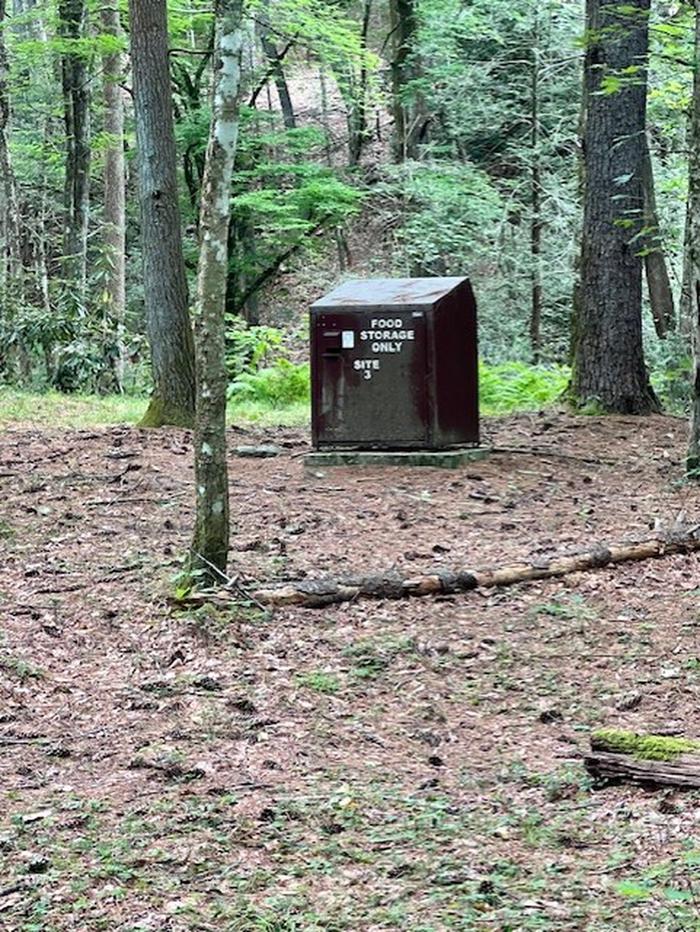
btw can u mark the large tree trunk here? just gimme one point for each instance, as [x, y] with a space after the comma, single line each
[76, 112]
[114, 192]
[693, 257]
[165, 284]
[658, 280]
[211, 536]
[609, 369]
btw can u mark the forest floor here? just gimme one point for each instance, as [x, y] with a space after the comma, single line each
[374, 765]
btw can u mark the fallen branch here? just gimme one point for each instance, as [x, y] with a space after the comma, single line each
[621, 756]
[316, 593]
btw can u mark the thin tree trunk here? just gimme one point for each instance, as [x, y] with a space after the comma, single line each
[211, 536]
[114, 192]
[12, 258]
[357, 117]
[325, 120]
[76, 104]
[609, 370]
[658, 280]
[409, 126]
[536, 223]
[276, 71]
[165, 284]
[693, 462]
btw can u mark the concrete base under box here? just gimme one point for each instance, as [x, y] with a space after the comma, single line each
[440, 459]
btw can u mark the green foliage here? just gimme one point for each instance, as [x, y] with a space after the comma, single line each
[250, 348]
[280, 384]
[283, 198]
[669, 891]
[320, 682]
[450, 211]
[518, 387]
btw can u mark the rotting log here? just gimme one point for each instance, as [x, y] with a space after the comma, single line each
[316, 593]
[621, 756]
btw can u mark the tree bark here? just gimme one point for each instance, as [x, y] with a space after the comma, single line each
[211, 536]
[693, 258]
[114, 193]
[609, 370]
[658, 279]
[76, 114]
[314, 593]
[165, 284]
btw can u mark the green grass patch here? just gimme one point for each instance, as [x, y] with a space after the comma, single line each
[53, 409]
[278, 395]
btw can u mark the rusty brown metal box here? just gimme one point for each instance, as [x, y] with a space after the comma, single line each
[394, 365]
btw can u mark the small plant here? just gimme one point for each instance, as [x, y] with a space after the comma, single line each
[673, 887]
[22, 669]
[7, 532]
[372, 658]
[573, 608]
[320, 682]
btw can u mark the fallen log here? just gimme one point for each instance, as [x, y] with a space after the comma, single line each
[316, 593]
[623, 756]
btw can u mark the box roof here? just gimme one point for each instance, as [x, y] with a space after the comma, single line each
[380, 292]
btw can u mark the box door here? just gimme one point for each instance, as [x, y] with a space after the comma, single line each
[371, 380]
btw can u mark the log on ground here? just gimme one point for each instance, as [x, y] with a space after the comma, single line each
[316, 593]
[648, 760]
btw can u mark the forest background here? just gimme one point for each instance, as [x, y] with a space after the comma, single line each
[485, 99]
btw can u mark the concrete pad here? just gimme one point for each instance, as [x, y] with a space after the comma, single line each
[440, 459]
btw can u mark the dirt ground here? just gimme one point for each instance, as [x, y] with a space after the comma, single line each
[376, 765]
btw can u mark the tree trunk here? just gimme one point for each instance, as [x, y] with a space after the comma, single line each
[211, 537]
[693, 257]
[276, 72]
[536, 201]
[609, 370]
[76, 114]
[353, 87]
[11, 253]
[165, 284]
[114, 193]
[408, 125]
[658, 280]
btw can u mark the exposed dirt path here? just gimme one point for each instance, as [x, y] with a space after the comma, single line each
[369, 766]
